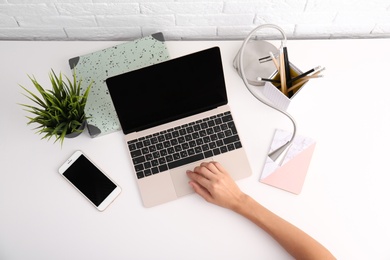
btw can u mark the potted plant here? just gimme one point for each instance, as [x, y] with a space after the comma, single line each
[60, 110]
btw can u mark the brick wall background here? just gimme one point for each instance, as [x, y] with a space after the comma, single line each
[190, 19]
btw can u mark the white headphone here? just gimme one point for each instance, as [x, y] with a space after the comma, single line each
[250, 70]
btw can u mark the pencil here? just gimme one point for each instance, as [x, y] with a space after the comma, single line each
[302, 81]
[274, 60]
[305, 74]
[282, 72]
[298, 85]
[314, 75]
[287, 67]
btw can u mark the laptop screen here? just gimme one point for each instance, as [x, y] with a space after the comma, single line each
[169, 90]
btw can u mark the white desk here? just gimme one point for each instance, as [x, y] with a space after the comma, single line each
[344, 203]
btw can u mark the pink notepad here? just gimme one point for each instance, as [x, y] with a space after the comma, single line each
[289, 176]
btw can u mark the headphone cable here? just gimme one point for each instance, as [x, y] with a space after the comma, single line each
[280, 152]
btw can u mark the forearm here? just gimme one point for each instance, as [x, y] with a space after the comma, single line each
[292, 239]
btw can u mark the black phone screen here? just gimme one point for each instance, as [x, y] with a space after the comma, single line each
[89, 180]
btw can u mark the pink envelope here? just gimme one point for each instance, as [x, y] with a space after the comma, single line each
[290, 176]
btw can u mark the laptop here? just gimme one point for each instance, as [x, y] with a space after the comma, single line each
[175, 115]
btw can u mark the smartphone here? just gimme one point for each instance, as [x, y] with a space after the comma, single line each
[89, 180]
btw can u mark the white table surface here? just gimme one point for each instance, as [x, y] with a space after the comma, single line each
[345, 199]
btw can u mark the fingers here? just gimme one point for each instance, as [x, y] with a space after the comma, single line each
[204, 193]
[209, 169]
[203, 177]
[200, 185]
[212, 182]
[206, 172]
[198, 178]
[220, 167]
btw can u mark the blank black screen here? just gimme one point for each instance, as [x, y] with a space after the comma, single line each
[89, 180]
[168, 90]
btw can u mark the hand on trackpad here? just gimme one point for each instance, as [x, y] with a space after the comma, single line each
[180, 179]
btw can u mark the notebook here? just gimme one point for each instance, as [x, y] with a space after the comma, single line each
[175, 115]
[97, 66]
[291, 175]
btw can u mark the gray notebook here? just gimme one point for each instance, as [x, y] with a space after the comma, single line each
[100, 65]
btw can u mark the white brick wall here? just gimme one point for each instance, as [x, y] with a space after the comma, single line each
[190, 19]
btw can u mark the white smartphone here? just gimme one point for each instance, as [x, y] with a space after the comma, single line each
[89, 180]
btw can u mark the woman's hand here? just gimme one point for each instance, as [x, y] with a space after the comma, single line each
[211, 181]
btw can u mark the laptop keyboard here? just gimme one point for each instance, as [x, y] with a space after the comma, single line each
[184, 144]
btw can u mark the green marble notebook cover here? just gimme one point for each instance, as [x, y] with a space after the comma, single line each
[102, 64]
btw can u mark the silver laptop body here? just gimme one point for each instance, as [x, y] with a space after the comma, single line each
[175, 115]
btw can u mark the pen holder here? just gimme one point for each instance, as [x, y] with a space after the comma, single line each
[275, 95]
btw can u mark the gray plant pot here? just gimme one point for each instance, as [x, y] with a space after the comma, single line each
[74, 134]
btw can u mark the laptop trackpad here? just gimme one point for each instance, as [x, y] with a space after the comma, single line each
[180, 179]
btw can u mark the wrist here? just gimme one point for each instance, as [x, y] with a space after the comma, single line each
[242, 203]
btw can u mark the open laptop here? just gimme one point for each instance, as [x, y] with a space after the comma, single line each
[174, 115]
